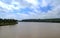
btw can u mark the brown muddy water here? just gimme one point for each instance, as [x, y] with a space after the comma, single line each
[31, 30]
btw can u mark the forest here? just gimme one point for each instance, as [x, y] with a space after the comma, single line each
[56, 20]
[8, 22]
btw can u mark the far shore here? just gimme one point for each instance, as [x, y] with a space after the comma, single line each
[54, 20]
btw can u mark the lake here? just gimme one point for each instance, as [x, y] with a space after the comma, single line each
[31, 30]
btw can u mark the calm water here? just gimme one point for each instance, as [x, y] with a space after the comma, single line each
[31, 30]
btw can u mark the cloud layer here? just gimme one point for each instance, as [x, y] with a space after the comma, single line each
[29, 9]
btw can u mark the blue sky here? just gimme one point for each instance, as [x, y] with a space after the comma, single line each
[29, 9]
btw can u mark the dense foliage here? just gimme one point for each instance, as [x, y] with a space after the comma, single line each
[42, 20]
[8, 22]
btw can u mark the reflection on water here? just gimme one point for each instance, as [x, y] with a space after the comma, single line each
[31, 30]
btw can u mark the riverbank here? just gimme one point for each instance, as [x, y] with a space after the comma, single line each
[8, 22]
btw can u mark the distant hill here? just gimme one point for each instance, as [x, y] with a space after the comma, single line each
[42, 20]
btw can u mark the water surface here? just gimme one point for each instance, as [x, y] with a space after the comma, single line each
[31, 30]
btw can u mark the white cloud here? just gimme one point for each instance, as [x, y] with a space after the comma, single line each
[55, 13]
[16, 5]
[10, 7]
[44, 3]
[8, 16]
[33, 4]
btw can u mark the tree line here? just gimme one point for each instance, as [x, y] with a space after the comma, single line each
[42, 20]
[8, 21]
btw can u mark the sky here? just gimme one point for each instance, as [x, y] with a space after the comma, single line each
[29, 9]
